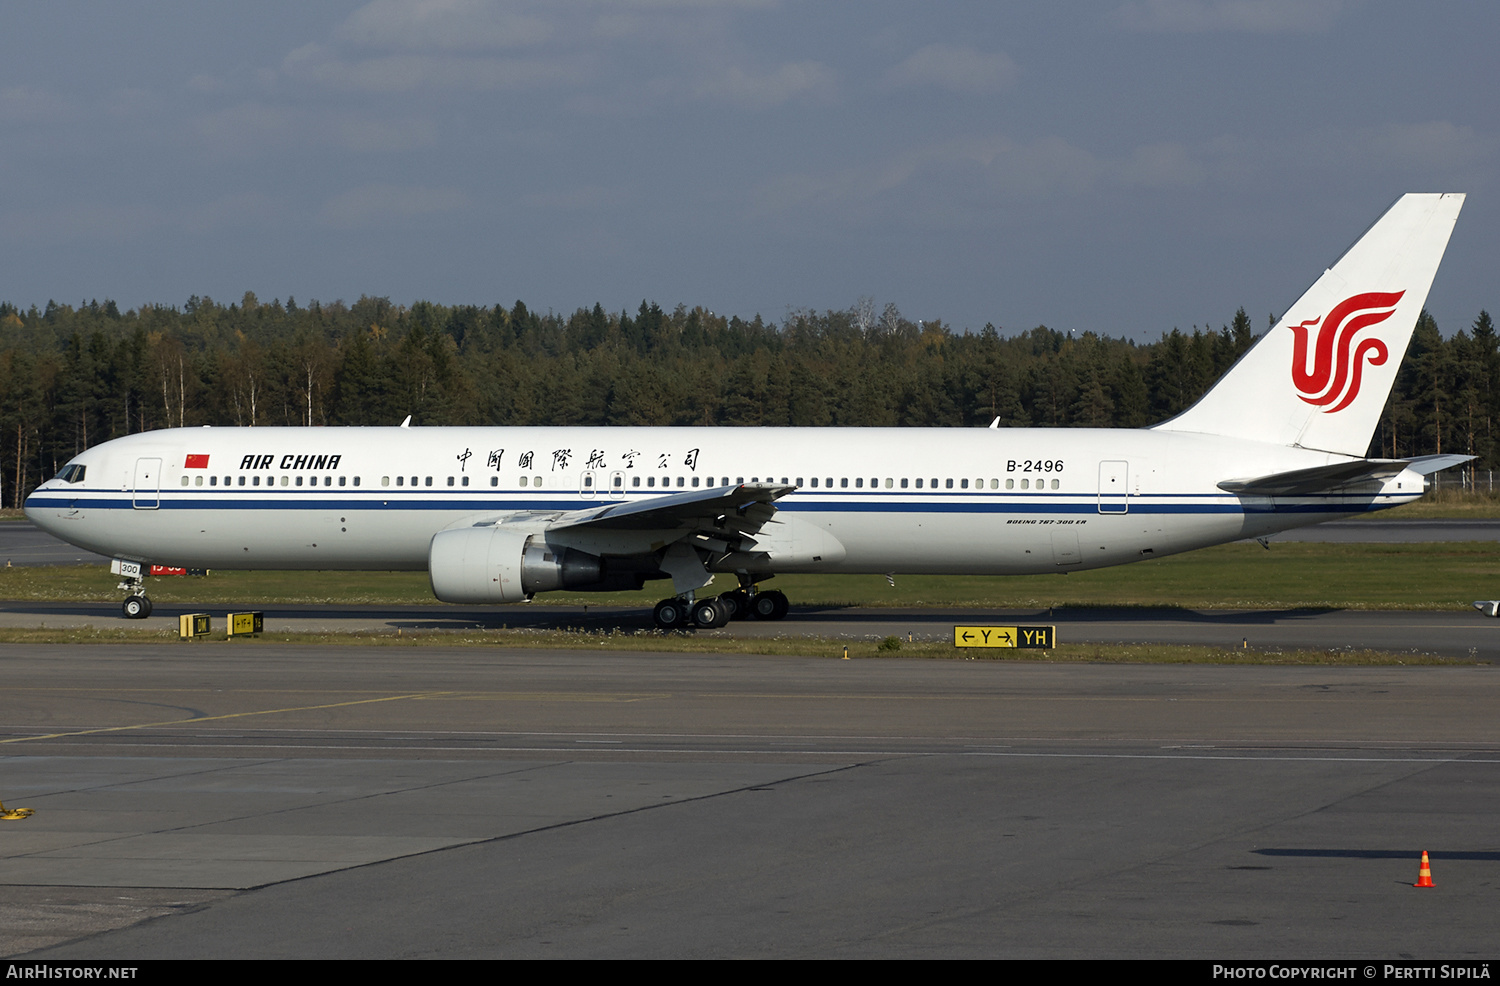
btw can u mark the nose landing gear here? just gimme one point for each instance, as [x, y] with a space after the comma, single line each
[132, 574]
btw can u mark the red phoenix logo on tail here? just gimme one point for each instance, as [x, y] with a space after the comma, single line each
[1335, 373]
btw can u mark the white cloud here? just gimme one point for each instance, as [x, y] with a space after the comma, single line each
[768, 88]
[406, 73]
[1163, 166]
[585, 198]
[959, 68]
[447, 25]
[380, 204]
[1256, 16]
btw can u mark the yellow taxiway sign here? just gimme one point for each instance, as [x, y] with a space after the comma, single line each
[1034, 638]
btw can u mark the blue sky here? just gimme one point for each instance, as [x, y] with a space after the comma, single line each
[1122, 167]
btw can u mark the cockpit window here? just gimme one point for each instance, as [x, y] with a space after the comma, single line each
[72, 473]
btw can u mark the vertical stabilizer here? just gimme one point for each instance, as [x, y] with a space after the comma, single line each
[1321, 377]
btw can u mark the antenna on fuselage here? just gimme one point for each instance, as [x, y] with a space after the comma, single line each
[407, 421]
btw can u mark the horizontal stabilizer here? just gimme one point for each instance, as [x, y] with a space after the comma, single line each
[1327, 479]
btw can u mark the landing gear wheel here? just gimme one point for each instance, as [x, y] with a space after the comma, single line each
[670, 614]
[738, 602]
[136, 607]
[710, 614]
[770, 605]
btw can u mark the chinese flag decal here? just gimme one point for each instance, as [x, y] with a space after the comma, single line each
[196, 462]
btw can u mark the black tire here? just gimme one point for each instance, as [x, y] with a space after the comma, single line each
[771, 605]
[670, 614]
[738, 602]
[708, 614]
[136, 607]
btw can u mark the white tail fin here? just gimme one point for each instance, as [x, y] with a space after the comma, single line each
[1321, 377]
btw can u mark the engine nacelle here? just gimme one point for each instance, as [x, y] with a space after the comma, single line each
[499, 565]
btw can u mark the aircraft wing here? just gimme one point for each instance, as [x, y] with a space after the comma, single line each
[1325, 479]
[742, 509]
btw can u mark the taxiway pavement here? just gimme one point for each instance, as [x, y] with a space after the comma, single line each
[223, 800]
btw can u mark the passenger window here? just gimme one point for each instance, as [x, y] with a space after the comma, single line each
[903, 484]
[844, 483]
[213, 481]
[197, 480]
[635, 481]
[386, 480]
[695, 482]
[1054, 484]
[948, 484]
[994, 484]
[1025, 484]
[889, 482]
[286, 480]
[356, 480]
[299, 480]
[466, 480]
[242, 480]
[1010, 484]
[184, 481]
[536, 481]
[919, 484]
[428, 482]
[815, 482]
[254, 480]
[341, 480]
[679, 482]
[859, 484]
[450, 480]
[964, 483]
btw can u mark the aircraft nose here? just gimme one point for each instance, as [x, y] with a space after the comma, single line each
[40, 510]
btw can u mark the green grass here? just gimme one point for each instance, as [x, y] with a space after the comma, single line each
[690, 643]
[1236, 576]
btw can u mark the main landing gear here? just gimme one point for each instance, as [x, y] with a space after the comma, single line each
[710, 614]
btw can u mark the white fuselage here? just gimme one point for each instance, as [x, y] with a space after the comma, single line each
[898, 500]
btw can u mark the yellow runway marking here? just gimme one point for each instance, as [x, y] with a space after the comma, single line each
[228, 715]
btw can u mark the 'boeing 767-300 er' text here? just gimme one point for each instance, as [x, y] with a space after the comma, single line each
[1277, 443]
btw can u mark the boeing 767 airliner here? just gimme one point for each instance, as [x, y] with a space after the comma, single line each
[498, 514]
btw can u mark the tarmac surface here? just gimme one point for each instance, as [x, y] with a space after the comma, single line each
[256, 800]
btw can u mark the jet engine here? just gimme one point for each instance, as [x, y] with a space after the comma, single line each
[498, 565]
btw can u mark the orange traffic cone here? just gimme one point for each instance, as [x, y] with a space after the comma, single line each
[1424, 875]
